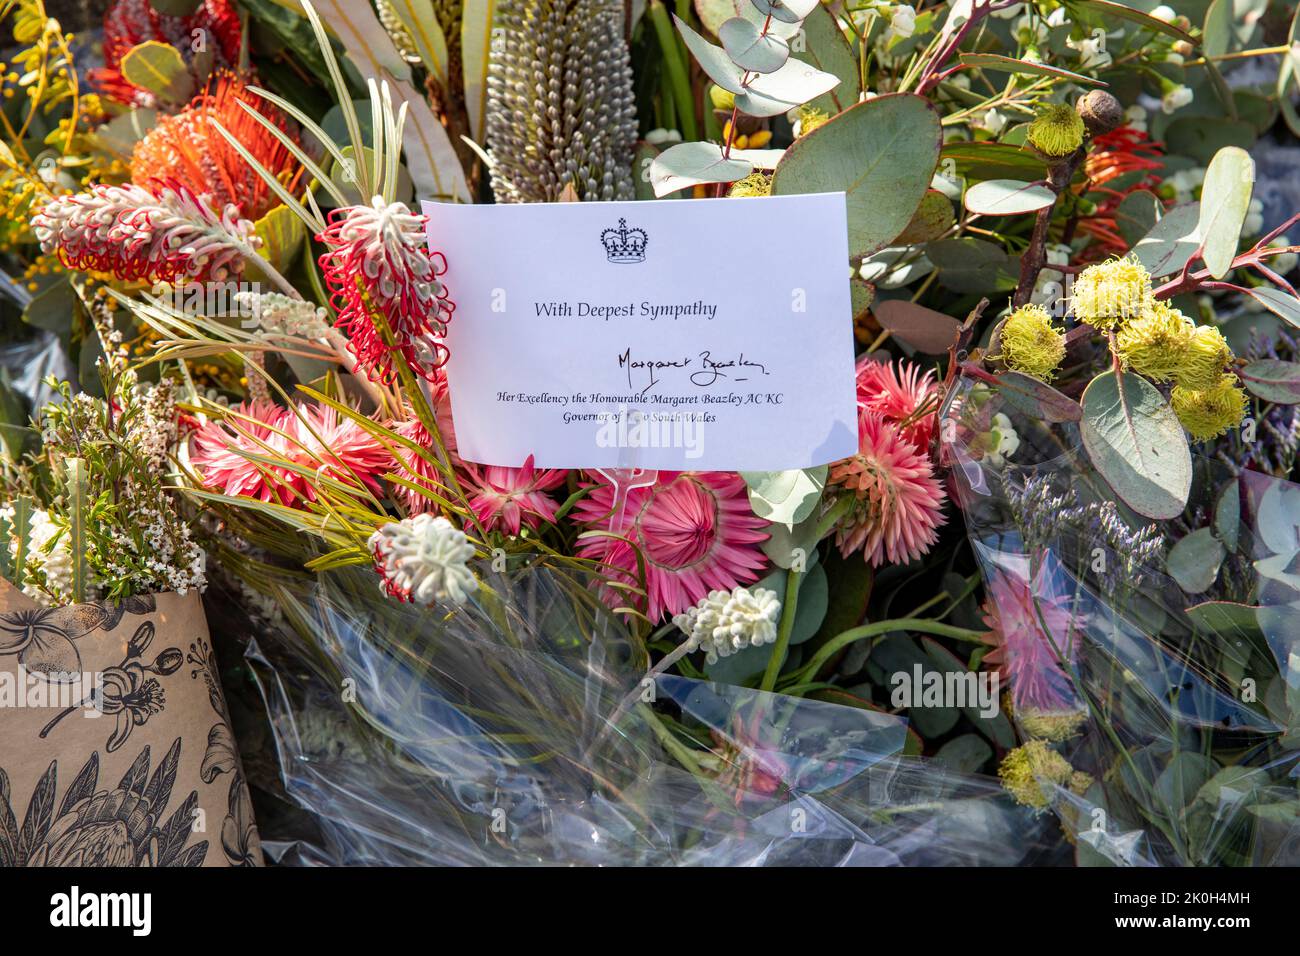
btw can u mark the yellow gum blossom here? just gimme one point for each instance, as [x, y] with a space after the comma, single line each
[1056, 131]
[1208, 413]
[1157, 344]
[1112, 293]
[1207, 356]
[1029, 343]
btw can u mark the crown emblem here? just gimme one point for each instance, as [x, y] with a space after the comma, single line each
[624, 244]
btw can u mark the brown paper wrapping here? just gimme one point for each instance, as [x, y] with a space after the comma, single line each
[130, 763]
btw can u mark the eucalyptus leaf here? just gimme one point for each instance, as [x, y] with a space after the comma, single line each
[752, 49]
[788, 11]
[1227, 515]
[687, 164]
[1280, 303]
[1037, 399]
[795, 83]
[1273, 380]
[787, 497]
[713, 60]
[1195, 559]
[1225, 201]
[1171, 242]
[160, 69]
[1005, 64]
[881, 153]
[1137, 444]
[826, 48]
[1137, 214]
[924, 329]
[1007, 197]
[964, 754]
[932, 219]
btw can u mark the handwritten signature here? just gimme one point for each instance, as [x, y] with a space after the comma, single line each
[705, 369]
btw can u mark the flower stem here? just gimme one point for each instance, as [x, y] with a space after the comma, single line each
[788, 610]
[879, 629]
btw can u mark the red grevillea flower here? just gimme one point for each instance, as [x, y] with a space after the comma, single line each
[316, 439]
[1027, 659]
[695, 531]
[897, 391]
[129, 23]
[187, 149]
[898, 502]
[506, 499]
[137, 234]
[1121, 152]
[384, 284]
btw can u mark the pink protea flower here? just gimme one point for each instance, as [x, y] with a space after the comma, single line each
[137, 234]
[506, 499]
[695, 530]
[384, 284]
[896, 391]
[898, 501]
[215, 451]
[1026, 658]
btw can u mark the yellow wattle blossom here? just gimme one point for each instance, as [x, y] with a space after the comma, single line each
[756, 184]
[1047, 726]
[1112, 293]
[1029, 772]
[1029, 343]
[1056, 131]
[1207, 356]
[1157, 344]
[1208, 413]
[809, 119]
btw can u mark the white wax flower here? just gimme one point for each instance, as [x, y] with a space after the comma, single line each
[1176, 98]
[726, 622]
[424, 560]
[1164, 14]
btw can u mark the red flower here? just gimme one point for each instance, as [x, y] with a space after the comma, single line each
[1116, 154]
[213, 27]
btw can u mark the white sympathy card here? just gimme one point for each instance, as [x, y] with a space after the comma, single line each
[709, 334]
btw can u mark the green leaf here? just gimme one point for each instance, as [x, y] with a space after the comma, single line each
[282, 234]
[1005, 64]
[1171, 242]
[1194, 561]
[752, 49]
[771, 94]
[964, 754]
[1007, 197]
[990, 161]
[972, 265]
[787, 497]
[1037, 399]
[1137, 444]
[923, 329]
[21, 528]
[78, 494]
[932, 219]
[1273, 380]
[713, 60]
[1200, 137]
[688, 164]
[475, 53]
[1225, 201]
[422, 25]
[1108, 9]
[160, 69]
[826, 48]
[1227, 515]
[1216, 35]
[1137, 214]
[714, 13]
[880, 153]
[1280, 303]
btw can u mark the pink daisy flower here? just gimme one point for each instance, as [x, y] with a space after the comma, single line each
[509, 498]
[898, 501]
[1026, 658]
[216, 447]
[384, 284]
[695, 530]
[895, 391]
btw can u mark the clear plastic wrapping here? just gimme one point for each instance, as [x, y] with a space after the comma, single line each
[1157, 657]
[484, 737]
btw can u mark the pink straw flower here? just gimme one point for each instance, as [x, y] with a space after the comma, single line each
[510, 498]
[895, 391]
[1026, 657]
[135, 234]
[695, 530]
[384, 283]
[897, 500]
[215, 451]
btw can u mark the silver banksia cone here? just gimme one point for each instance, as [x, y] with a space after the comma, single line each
[560, 106]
